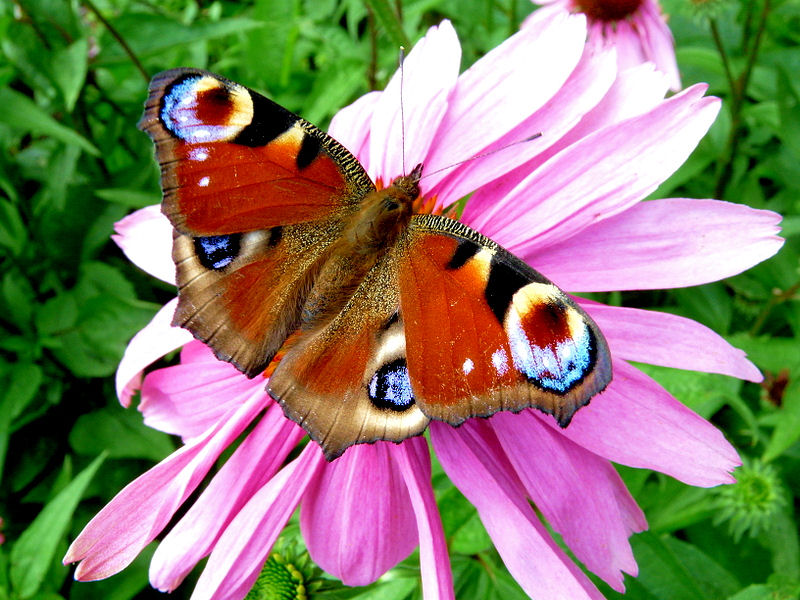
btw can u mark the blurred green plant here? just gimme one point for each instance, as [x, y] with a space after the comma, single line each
[73, 79]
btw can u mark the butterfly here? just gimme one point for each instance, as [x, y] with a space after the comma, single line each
[382, 319]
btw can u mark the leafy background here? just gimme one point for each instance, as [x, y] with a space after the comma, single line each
[73, 78]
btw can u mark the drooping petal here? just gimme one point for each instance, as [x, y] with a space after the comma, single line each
[660, 244]
[429, 73]
[475, 462]
[511, 71]
[434, 560]
[587, 84]
[244, 546]
[668, 340]
[586, 183]
[357, 518]
[157, 338]
[145, 237]
[658, 41]
[637, 423]
[579, 493]
[250, 467]
[136, 515]
[188, 398]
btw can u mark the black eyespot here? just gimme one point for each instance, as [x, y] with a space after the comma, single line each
[390, 387]
[391, 204]
[217, 251]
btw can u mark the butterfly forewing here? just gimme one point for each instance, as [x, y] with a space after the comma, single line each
[234, 161]
[485, 332]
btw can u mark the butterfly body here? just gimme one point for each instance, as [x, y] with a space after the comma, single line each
[385, 319]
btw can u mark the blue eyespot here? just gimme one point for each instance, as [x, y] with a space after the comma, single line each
[390, 387]
[217, 251]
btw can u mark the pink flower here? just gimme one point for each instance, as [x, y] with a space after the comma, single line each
[636, 28]
[569, 202]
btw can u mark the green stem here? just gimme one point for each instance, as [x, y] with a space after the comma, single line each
[738, 94]
[779, 298]
[116, 35]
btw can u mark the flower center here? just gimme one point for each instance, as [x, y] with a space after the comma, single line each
[608, 10]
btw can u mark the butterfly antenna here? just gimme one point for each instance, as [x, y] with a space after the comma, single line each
[484, 154]
[400, 59]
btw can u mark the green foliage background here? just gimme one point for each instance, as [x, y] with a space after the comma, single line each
[73, 77]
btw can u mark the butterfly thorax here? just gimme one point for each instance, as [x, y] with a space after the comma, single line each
[371, 231]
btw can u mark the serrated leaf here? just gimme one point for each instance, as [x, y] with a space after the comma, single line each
[21, 113]
[120, 433]
[35, 550]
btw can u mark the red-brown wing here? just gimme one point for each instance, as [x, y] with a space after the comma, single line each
[242, 293]
[234, 161]
[485, 332]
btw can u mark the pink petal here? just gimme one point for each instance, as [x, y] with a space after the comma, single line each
[668, 340]
[630, 52]
[151, 343]
[188, 398]
[661, 244]
[589, 81]
[434, 560]
[634, 92]
[136, 515]
[473, 459]
[429, 73]
[637, 423]
[599, 176]
[145, 237]
[350, 126]
[250, 467]
[658, 41]
[357, 518]
[579, 493]
[515, 72]
[244, 546]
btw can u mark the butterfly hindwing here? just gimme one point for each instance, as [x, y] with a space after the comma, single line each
[242, 293]
[234, 161]
[345, 378]
[485, 332]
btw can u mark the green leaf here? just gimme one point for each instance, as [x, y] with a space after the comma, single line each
[18, 298]
[69, 67]
[35, 550]
[119, 432]
[127, 197]
[13, 234]
[20, 112]
[661, 570]
[391, 589]
[710, 304]
[150, 34]
[787, 430]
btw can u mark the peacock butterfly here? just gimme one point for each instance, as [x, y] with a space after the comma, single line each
[383, 319]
